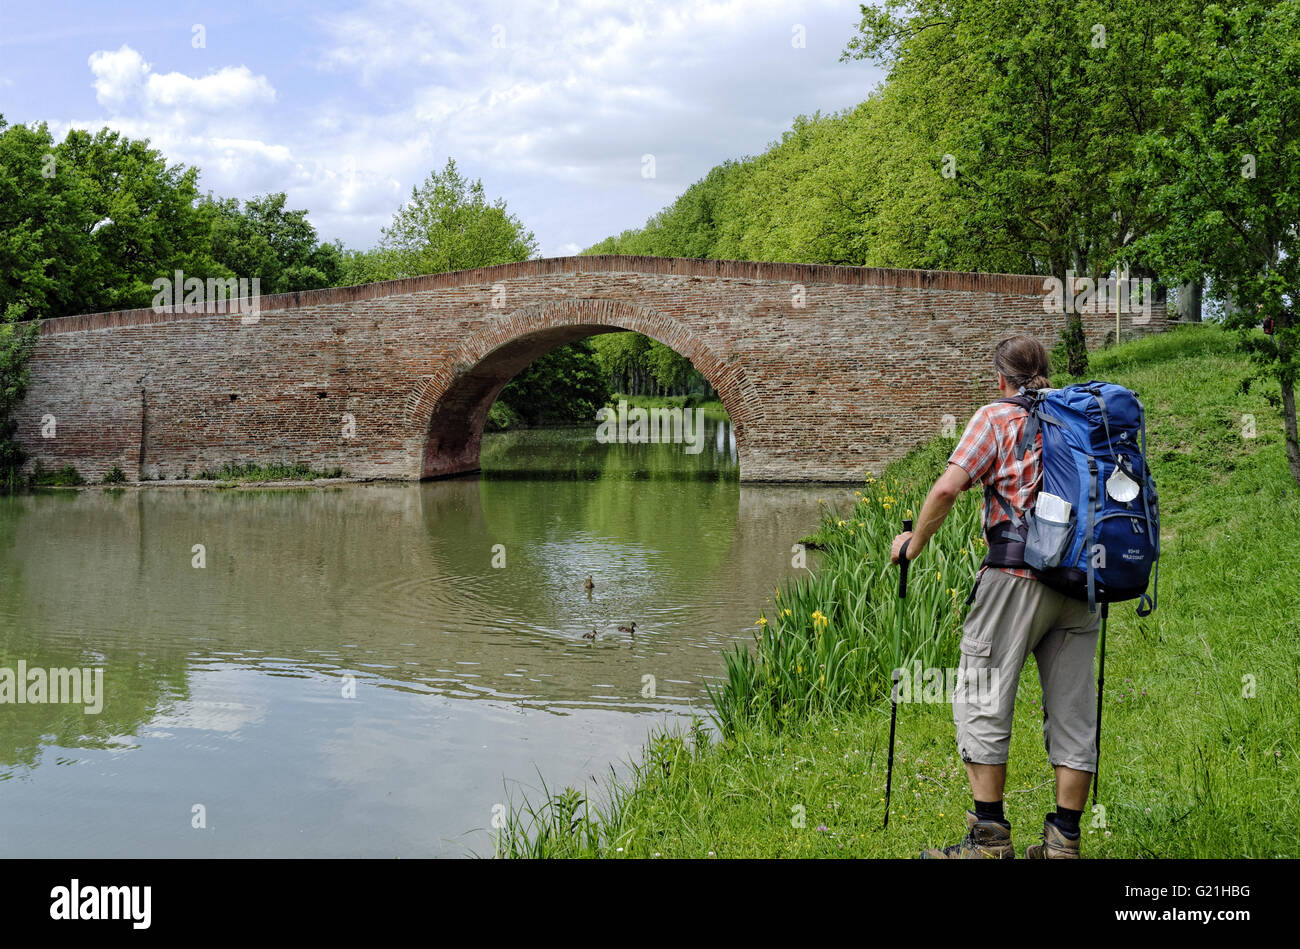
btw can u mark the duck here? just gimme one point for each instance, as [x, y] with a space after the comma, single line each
[590, 584]
[628, 629]
[590, 635]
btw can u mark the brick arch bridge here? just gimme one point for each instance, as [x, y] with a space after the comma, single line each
[827, 371]
[453, 405]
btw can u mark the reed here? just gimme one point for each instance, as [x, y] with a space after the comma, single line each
[824, 643]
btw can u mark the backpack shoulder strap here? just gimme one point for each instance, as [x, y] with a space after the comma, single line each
[1030, 405]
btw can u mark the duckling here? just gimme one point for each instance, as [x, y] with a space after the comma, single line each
[590, 584]
[590, 635]
[628, 629]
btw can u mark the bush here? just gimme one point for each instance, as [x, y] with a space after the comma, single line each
[65, 477]
[501, 417]
[115, 476]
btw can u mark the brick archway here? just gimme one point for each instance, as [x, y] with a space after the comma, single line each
[449, 409]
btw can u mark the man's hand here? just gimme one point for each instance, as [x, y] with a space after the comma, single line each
[897, 550]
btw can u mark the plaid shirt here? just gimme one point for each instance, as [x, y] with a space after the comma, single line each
[986, 452]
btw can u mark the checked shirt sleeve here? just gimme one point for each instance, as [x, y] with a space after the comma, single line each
[977, 451]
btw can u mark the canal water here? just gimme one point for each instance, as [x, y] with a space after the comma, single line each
[368, 670]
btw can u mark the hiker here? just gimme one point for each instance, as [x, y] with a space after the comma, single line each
[1012, 615]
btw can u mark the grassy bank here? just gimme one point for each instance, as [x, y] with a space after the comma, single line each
[1201, 738]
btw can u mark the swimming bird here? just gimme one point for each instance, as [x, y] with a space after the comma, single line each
[590, 584]
[628, 629]
[590, 635]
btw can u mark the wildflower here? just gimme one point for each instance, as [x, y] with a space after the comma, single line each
[762, 621]
[909, 512]
[823, 828]
[785, 612]
[841, 524]
[798, 669]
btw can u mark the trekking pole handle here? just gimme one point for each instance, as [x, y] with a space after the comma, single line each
[902, 562]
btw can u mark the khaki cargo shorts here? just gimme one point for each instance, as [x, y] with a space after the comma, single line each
[1011, 618]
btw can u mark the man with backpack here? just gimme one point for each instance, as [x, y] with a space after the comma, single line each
[1048, 609]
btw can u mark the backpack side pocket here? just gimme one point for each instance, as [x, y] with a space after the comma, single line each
[1045, 545]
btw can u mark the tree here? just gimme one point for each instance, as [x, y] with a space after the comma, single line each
[1034, 115]
[45, 224]
[564, 386]
[277, 246]
[1230, 177]
[16, 345]
[448, 224]
[142, 218]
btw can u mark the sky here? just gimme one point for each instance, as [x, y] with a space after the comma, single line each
[348, 105]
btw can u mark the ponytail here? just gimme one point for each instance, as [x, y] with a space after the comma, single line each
[1023, 362]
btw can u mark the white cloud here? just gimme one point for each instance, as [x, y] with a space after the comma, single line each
[555, 117]
[119, 76]
[123, 78]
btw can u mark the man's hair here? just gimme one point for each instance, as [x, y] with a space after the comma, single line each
[1023, 361]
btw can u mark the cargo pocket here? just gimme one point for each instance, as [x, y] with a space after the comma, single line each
[977, 646]
[1045, 543]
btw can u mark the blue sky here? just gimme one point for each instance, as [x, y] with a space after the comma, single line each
[347, 105]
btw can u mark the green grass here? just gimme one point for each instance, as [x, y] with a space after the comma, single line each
[1200, 753]
[298, 471]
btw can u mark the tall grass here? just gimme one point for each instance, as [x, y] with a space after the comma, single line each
[825, 643]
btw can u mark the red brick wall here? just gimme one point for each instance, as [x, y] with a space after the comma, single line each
[865, 370]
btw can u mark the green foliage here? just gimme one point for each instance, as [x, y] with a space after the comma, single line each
[564, 386]
[1229, 177]
[16, 345]
[272, 471]
[88, 224]
[826, 642]
[115, 476]
[277, 246]
[66, 477]
[501, 418]
[636, 364]
[448, 224]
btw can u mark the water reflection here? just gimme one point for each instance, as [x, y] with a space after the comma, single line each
[453, 611]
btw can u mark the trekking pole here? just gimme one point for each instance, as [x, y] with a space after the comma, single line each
[1101, 685]
[898, 648]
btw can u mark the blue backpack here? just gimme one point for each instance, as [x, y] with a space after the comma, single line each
[1094, 457]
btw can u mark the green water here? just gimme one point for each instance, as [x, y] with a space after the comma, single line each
[368, 669]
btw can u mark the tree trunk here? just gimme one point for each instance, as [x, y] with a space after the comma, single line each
[1189, 301]
[1076, 345]
[1289, 426]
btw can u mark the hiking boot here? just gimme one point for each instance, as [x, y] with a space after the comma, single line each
[1055, 845]
[986, 839]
